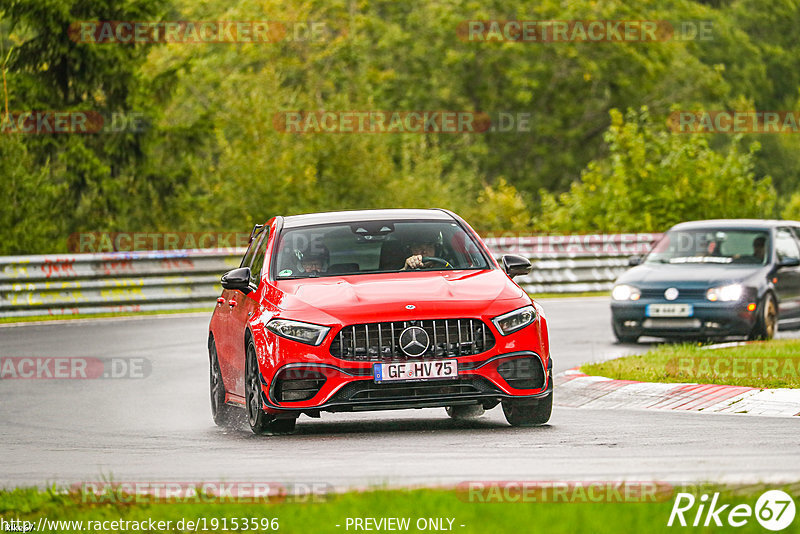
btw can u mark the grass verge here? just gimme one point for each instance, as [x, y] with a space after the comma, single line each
[769, 364]
[36, 318]
[574, 516]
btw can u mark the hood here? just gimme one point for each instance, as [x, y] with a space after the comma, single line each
[379, 297]
[696, 275]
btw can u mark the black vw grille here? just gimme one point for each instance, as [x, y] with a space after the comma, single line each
[682, 293]
[381, 341]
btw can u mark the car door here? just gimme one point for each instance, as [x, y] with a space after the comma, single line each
[242, 307]
[788, 278]
[224, 337]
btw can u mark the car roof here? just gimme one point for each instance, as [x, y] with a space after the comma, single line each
[332, 217]
[733, 223]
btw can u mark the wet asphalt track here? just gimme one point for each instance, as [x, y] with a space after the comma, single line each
[159, 428]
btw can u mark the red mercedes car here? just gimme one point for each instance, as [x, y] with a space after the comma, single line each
[375, 310]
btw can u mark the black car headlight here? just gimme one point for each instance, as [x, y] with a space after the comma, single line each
[515, 320]
[311, 334]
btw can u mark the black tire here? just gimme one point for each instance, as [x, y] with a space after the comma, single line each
[465, 412]
[260, 421]
[622, 338]
[767, 323]
[527, 412]
[223, 414]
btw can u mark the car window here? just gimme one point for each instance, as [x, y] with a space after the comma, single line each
[785, 244]
[716, 246]
[258, 259]
[373, 247]
[251, 249]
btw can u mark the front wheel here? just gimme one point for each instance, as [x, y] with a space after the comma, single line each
[260, 421]
[767, 322]
[528, 412]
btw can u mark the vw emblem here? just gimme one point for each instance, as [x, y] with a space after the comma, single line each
[671, 294]
[414, 341]
[410, 307]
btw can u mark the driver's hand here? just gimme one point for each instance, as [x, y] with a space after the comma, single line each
[414, 262]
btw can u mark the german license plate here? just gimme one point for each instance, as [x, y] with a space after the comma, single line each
[423, 370]
[669, 310]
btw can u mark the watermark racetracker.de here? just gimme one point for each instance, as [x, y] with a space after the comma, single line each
[72, 368]
[251, 492]
[402, 122]
[72, 122]
[733, 367]
[554, 491]
[132, 32]
[584, 31]
[734, 122]
[99, 242]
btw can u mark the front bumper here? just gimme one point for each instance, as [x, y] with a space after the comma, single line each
[708, 319]
[347, 389]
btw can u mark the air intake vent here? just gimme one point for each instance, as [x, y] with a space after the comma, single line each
[523, 373]
[294, 385]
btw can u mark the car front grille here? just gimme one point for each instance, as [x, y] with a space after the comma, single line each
[683, 294]
[381, 341]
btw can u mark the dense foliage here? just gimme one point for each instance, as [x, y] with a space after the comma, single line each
[595, 155]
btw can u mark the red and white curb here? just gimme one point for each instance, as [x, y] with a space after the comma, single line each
[578, 390]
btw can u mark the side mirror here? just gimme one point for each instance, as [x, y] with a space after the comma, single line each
[516, 265]
[789, 262]
[237, 279]
[633, 261]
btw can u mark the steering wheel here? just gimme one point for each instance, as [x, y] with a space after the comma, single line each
[426, 259]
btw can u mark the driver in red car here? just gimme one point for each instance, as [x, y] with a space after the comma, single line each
[422, 245]
[314, 259]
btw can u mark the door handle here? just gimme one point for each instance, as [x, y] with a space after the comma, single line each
[232, 303]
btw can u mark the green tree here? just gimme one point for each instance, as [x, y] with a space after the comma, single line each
[653, 178]
[30, 202]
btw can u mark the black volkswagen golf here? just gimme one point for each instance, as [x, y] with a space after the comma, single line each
[712, 279]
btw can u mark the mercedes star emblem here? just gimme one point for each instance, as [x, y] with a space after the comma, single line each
[414, 341]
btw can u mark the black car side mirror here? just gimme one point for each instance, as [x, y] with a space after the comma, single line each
[516, 265]
[633, 261]
[237, 279]
[789, 262]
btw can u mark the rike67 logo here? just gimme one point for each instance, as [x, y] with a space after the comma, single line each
[774, 510]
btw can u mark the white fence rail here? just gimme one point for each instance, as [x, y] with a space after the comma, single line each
[68, 284]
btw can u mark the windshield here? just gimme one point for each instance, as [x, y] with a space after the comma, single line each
[717, 246]
[375, 247]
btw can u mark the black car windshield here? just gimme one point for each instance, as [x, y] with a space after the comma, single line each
[375, 247]
[715, 246]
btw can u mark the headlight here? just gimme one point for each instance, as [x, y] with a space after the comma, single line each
[625, 292]
[313, 334]
[515, 320]
[728, 293]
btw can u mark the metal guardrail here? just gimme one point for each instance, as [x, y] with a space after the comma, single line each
[69, 284]
[573, 263]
